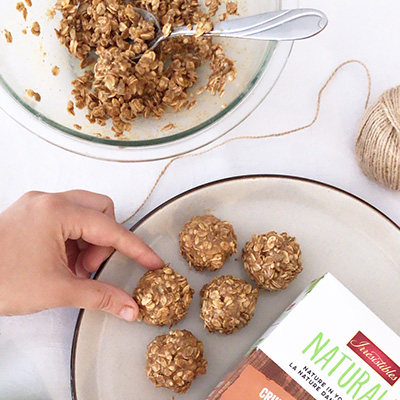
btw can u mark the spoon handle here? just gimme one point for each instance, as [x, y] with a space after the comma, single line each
[277, 25]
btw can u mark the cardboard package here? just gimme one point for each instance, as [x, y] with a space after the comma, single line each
[327, 345]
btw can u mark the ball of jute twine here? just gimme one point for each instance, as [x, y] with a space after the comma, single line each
[378, 140]
[259, 137]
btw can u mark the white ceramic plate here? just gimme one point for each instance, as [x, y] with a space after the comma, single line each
[337, 233]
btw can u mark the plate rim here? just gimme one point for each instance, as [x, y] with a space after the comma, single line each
[195, 189]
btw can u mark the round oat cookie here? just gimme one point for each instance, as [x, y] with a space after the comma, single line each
[207, 242]
[227, 304]
[163, 297]
[272, 261]
[174, 360]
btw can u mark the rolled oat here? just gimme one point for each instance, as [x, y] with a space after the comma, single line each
[35, 28]
[33, 95]
[21, 8]
[51, 12]
[8, 36]
[70, 107]
[55, 70]
[231, 7]
[168, 127]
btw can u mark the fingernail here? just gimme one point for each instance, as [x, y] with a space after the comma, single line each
[128, 313]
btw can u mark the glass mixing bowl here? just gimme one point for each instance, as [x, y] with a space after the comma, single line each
[27, 62]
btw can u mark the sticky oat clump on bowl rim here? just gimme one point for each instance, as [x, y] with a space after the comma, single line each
[174, 360]
[163, 297]
[206, 242]
[272, 260]
[227, 304]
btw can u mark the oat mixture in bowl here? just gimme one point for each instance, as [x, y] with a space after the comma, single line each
[108, 35]
[179, 97]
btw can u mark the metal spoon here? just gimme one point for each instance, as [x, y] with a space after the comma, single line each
[294, 24]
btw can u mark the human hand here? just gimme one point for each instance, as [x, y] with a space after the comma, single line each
[49, 245]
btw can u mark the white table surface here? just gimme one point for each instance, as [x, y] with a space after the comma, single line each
[35, 350]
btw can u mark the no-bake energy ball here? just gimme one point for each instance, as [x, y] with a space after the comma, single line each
[174, 360]
[207, 242]
[227, 304]
[163, 297]
[272, 261]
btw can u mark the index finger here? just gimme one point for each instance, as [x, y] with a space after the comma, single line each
[98, 229]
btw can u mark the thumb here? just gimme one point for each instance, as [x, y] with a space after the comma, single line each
[96, 295]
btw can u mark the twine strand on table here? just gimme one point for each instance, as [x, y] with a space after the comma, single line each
[284, 133]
